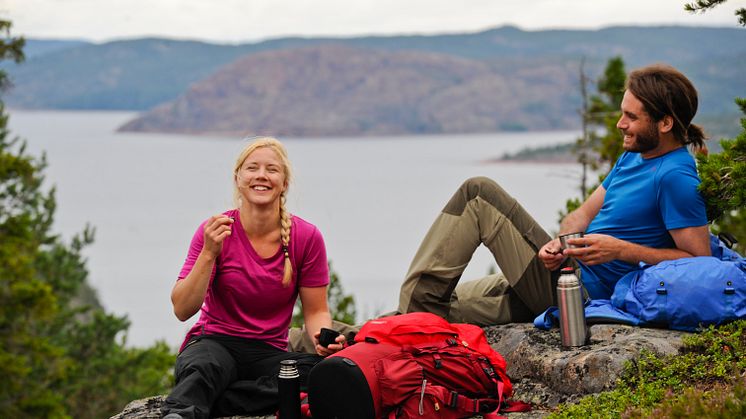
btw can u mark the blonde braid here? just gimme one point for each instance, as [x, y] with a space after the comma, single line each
[285, 224]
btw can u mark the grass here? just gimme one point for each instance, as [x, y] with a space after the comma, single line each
[707, 379]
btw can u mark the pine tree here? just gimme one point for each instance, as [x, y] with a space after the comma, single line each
[724, 183]
[29, 361]
[702, 6]
[61, 354]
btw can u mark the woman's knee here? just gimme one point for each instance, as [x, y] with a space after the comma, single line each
[207, 358]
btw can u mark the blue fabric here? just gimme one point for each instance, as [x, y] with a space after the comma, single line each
[596, 311]
[644, 199]
[684, 294]
[721, 251]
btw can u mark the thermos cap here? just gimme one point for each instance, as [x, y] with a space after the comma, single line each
[288, 368]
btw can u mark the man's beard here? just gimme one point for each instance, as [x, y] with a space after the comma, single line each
[645, 141]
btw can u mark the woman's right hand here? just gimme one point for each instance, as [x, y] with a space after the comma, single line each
[189, 293]
[217, 228]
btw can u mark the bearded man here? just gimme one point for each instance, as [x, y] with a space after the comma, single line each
[647, 210]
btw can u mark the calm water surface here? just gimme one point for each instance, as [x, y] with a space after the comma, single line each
[372, 198]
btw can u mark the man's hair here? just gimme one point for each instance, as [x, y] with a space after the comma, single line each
[663, 90]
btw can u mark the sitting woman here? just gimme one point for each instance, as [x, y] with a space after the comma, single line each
[244, 270]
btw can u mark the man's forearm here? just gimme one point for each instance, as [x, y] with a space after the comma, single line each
[574, 222]
[635, 253]
[581, 218]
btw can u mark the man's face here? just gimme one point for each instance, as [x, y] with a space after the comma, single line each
[640, 131]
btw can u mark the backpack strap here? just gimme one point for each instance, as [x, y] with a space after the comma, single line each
[453, 400]
[467, 404]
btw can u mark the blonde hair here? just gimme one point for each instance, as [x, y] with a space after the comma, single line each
[285, 217]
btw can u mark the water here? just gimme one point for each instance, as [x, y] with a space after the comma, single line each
[372, 198]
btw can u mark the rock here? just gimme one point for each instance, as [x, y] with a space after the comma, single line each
[546, 374]
[542, 371]
[150, 408]
[143, 409]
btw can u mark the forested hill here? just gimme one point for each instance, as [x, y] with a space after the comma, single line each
[454, 80]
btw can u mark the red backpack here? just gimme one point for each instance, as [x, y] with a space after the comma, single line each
[408, 366]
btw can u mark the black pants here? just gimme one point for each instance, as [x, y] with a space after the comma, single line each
[228, 376]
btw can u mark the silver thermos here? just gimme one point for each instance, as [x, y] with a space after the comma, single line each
[572, 315]
[288, 382]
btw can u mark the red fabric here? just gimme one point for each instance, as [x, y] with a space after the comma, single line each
[427, 328]
[419, 365]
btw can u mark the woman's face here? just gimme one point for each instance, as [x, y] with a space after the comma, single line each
[261, 178]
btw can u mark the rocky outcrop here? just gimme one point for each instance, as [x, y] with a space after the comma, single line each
[542, 371]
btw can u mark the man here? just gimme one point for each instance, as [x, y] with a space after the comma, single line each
[647, 210]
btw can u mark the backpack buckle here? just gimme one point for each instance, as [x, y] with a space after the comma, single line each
[453, 401]
[728, 239]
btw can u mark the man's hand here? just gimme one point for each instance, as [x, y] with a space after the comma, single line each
[551, 255]
[595, 249]
[600, 248]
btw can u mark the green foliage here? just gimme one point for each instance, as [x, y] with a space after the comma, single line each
[10, 49]
[704, 5]
[723, 175]
[557, 152]
[716, 357]
[341, 305]
[61, 354]
[106, 374]
[720, 402]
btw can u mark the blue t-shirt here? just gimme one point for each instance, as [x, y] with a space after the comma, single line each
[645, 198]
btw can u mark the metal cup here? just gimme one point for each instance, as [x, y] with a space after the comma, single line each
[563, 239]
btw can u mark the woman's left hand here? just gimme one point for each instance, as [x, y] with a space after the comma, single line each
[341, 342]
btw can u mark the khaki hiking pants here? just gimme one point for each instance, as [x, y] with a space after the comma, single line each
[480, 212]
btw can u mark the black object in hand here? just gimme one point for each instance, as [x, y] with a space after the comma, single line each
[327, 337]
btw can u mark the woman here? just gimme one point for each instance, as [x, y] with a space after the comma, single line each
[244, 270]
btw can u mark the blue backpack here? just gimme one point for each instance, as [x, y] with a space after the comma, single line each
[683, 294]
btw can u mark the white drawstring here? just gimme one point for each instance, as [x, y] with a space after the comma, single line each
[422, 397]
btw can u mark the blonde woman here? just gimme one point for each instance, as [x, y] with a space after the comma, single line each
[244, 270]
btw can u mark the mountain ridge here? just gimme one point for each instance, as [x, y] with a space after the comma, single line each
[141, 74]
[338, 90]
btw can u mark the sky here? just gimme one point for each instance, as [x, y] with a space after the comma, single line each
[234, 21]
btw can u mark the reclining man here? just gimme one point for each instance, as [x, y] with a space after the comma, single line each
[647, 210]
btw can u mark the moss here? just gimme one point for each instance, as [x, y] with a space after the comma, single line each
[705, 380]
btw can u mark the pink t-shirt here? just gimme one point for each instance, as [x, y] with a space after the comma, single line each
[246, 297]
